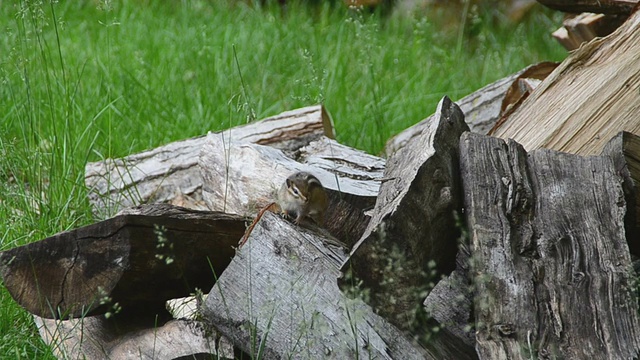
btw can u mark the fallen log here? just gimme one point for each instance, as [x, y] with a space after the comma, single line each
[279, 299]
[587, 100]
[413, 228]
[170, 173]
[549, 252]
[133, 262]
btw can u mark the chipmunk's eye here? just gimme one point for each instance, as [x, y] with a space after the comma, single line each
[294, 190]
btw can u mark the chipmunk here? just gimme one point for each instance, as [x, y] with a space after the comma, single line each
[302, 194]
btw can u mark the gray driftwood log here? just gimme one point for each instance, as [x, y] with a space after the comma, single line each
[413, 228]
[241, 178]
[136, 260]
[279, 299]
[552, 269]
[170, 173]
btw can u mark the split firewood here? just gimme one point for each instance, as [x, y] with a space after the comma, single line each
[279, 298]
[413, 229]
[132, 262]
[588, 99]
[549, 252]
[170, 173]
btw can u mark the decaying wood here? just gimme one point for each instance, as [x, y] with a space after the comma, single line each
[550, 255]
[170, 173]
[413, 226]
[587, 100]
[241, 178]
[624, 149]
[98, 338]
[137, 261]
[281, 292]
[481, 109]
[594, 6]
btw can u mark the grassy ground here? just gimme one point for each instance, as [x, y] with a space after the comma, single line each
[86, 80]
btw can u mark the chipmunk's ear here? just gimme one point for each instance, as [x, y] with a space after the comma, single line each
[313, 181]
[288, 182]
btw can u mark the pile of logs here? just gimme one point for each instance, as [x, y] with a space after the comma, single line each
[519, 244]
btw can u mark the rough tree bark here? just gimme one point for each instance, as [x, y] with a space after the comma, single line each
[170, 173]
[138, 261]
[549, 252]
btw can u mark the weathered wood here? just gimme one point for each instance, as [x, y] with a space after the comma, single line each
[241, 178]
[138, 261]
[624, 149]
[549, 253]
[481, 109]
[98, 338]
[280, 293]
[450, 302]
[587, 100]
[594, 6]
[413, 224]
[170, 173]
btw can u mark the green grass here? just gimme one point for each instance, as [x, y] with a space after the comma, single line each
[86, 80]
